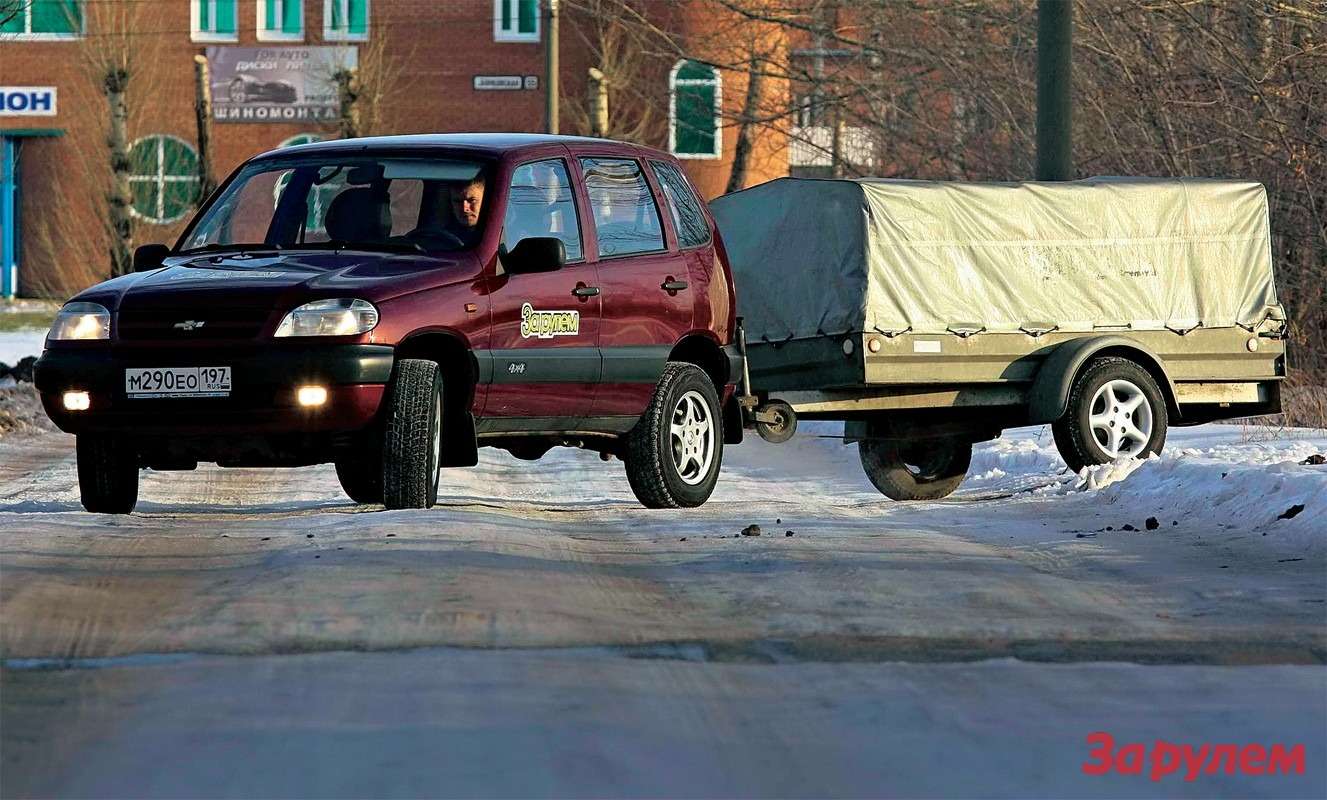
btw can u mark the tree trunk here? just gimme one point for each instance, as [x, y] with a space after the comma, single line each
[745, 132]
[120, 197]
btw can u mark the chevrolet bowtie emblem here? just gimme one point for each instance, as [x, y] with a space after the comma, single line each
[190, 324]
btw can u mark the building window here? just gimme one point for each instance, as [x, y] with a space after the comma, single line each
[694, 95]
[163, 173]
[45, 19]
[345, 20]
[280, 20]
[515, 20]
[212, 21]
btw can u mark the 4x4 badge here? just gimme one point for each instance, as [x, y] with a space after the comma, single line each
[190, 324]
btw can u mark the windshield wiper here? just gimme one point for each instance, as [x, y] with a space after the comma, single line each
[383, 247]
[215, 247]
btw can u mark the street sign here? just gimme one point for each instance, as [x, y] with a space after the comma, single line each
[497, 83]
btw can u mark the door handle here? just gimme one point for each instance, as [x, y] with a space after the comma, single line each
[672, 285]
[585, 291]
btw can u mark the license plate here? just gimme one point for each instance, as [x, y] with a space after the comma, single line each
[177, 382]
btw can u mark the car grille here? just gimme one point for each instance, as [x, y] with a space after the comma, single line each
[218, 324]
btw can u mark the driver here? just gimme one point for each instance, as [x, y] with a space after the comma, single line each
[461, 221]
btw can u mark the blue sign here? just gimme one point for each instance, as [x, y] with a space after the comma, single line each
[27, 101]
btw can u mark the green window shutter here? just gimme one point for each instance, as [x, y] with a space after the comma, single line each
[337, 19]
[695, 71]
[55, 16]
[526, 16]
[204, 11]
[695, 119]
[14, 25]
[506, 13]
[292, 16]
[225, 21]
[359, 16]
[269, 13]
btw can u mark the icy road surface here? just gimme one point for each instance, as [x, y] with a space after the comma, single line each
[252, 633]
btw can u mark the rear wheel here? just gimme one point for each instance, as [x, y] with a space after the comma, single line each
[674, 452]
[107, 473]
[412, 444]
[1115, 410]
[927, 469]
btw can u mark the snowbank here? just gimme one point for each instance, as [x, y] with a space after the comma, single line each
[17, 345]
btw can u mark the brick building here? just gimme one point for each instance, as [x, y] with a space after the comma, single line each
[460, 65]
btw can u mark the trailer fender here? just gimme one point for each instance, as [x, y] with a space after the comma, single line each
[1049, 396]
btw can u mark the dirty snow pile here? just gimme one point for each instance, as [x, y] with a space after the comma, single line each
[18, 345]
[1249, 478]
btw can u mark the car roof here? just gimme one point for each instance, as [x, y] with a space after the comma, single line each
[486, 143]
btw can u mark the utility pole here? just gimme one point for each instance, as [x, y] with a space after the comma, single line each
[203, 117]
[551, 68]
[1055, 30]
[598, 102]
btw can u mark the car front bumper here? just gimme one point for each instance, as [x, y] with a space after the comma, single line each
[262, 400]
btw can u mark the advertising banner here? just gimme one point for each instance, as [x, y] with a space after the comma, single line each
[276, 84]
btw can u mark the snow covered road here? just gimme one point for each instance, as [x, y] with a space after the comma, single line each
[551, 637]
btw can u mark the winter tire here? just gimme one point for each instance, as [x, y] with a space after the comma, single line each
[412, 443]
[674, 452]
[926, 469]
[1115, 410]
[107, 474]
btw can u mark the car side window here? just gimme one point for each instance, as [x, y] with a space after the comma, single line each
[540, 203]
[688, 218]
[626, 218]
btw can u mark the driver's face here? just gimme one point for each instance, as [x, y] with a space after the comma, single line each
[466, 202]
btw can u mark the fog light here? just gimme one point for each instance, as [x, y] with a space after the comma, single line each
[77, 401]
[312, 395]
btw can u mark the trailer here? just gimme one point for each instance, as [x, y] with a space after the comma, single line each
[932, 315]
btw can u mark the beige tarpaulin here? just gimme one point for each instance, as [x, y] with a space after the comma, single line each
[831, 256]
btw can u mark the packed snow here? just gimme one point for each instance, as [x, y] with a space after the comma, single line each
[18, 345]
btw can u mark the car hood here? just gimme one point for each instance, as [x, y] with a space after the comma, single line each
[266, 280]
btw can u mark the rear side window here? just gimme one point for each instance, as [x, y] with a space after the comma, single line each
[688, 219]
[540, 204]
[626, 219]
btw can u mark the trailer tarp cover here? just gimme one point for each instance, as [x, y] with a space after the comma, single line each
[816, 257]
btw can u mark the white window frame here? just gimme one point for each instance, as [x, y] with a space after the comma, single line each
[673, 83]
[28, 36]
[500, 35]
[196, 32]
[161, 179]
[330, 34]
[278, 35]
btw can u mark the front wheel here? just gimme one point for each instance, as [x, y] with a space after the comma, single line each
[412, 444]
[928, 469]
[674, 452]
[107, 474]
[1115, 411]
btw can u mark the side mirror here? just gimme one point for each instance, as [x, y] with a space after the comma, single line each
[536, 254]
[149, 256]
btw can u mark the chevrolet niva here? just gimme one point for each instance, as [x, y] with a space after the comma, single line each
[391, 304]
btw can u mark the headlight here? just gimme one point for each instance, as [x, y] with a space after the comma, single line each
[80, 321]
[340, 317]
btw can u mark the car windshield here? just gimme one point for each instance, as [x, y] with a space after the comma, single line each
[347, 202]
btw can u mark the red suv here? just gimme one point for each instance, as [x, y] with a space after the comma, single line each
[391, 304]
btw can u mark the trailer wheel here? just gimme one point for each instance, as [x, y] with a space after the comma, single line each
[784, 425]
[412, 446]
[361, 478]
[107, 474]
[1115, 410]
[927, 469]
[673, 453]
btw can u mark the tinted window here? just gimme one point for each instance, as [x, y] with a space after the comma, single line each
[540, 204]
[688, 219]
[626, 220]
